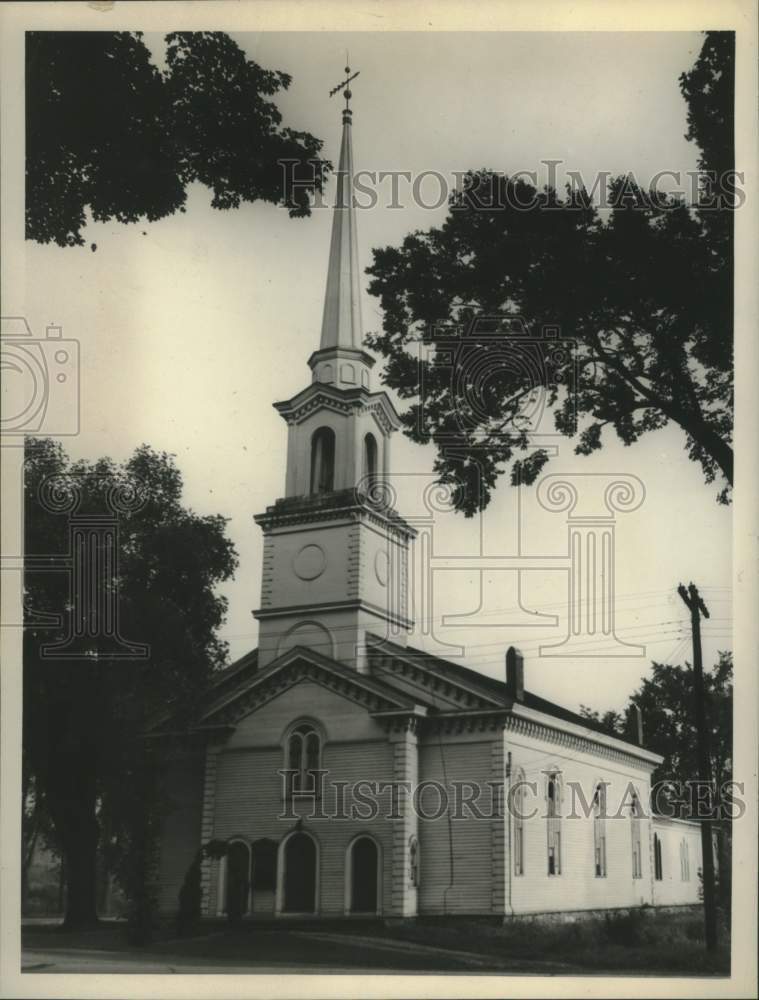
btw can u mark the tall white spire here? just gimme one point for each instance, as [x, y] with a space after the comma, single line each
[341, 322]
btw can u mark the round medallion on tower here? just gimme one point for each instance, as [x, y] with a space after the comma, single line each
[309, 562]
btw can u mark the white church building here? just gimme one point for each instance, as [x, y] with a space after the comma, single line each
[352, 775]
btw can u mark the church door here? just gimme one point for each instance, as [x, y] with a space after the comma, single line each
[364, 863]
[300, 874]
[238, 874]
[264, 878]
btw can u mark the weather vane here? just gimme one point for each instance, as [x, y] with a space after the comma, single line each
[344, 85]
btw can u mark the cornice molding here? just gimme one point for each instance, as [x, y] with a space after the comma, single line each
[289, 674]
[352, 605]
[556, 731]
[349, 506]
[322, 395]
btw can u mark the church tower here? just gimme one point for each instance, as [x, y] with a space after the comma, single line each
[335, 560]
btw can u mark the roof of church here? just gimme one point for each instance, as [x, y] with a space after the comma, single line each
[496, 687]
[239, 673]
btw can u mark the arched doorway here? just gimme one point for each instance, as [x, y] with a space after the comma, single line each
[364, 868]
[238, 879]
[264, 876]
[300, 874]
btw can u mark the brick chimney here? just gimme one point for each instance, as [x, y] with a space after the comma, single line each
[515, 674]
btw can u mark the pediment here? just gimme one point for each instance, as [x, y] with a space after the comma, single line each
[294, 666]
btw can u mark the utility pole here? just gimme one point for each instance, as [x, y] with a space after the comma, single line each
[692, 600]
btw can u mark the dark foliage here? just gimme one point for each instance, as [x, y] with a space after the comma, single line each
[84, 718]
[107, 130]
[642, 297]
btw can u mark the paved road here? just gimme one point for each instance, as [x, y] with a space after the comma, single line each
[270, 952]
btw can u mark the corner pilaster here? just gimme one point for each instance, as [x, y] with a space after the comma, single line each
[207, 825]
[403, 736]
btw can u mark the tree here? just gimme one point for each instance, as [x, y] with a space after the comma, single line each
[109, 131]
[642, 295]
[84, 717]
[666, 701]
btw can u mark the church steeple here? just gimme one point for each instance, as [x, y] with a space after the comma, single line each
[341, 359]
[335, 553]
[341, 322]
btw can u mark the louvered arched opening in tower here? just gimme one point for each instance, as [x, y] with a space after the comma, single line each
[370, 463]
[323, 460]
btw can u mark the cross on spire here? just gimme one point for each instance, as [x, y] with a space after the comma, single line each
[344, 86]
[341, 322]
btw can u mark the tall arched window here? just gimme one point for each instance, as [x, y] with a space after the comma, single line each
[684, 861]
[518, 804]
[323, 460]
[413, 861]
[304, 757]
[637, 858]
[599, 829]
[658, 872]
[553, 820]
[370, 461]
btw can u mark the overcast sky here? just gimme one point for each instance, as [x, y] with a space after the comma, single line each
[190, 332]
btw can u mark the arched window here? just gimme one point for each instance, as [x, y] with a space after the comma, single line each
[518, 804]
[684, 861]
[553, 820]
[413, 861]
[599, 829]
[658, 872]
[637, 858]
[304, 758]
[370, 461]
[323, 460]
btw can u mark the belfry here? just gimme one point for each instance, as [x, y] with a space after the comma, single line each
[335, 553]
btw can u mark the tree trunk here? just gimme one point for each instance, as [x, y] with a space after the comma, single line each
[71, 800]
[80, 850]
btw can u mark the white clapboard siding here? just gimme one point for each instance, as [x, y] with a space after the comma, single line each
[467, 885]
[249, 800]
[577, 887]
[341, 718]
[672, 889]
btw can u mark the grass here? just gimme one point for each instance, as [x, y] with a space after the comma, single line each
[638, 942]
